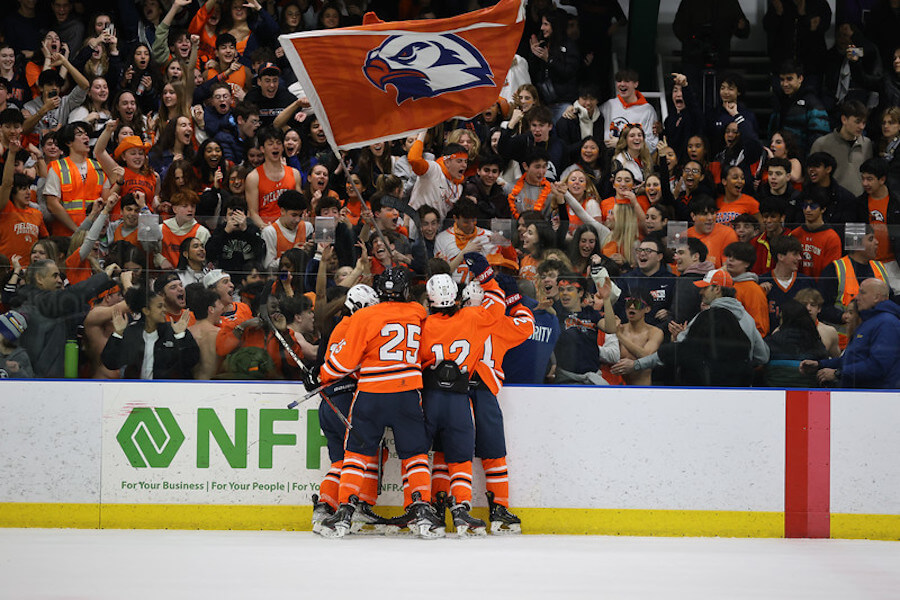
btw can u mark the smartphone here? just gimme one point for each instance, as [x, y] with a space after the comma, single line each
[53, 93]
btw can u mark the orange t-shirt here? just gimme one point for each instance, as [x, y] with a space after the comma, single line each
[877, 211]
[77, 270]
[19, 230]
[818, 249]
[528, 267]
[728, 211]
[608, 204]
[715, 240]
[134, 181]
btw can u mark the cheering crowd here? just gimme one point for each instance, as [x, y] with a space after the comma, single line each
[170, 207]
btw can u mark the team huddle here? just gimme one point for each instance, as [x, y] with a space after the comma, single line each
[433, 377]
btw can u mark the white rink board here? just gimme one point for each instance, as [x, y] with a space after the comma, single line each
[643, 448]
[865, 452]
[49, 441]
[569, 447]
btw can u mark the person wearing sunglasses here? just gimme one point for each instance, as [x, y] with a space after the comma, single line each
[637, 337]
[820, 242]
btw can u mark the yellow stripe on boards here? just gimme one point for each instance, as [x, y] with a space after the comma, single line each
[569, 521]
[867, 527]
[32, 514]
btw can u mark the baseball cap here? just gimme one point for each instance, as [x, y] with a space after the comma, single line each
[269, 69]
[718, 277]
[12, 324]
[214, 277]
[163, 280]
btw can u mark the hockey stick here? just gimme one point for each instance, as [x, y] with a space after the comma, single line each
[382, 446]
[296, 359]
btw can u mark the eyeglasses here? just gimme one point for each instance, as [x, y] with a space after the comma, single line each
[692, 171]
[646, 250]
[811, 205]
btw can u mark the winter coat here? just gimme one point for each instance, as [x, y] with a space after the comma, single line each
[174, 356]
[872, 358]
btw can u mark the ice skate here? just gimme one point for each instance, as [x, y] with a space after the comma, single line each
[420, 519]
[338, 524]
[502, 521]
[441, 504]
[366, 522]
[321, 511]
[466, 525]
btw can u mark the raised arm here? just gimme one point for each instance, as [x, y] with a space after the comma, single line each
[100, 153]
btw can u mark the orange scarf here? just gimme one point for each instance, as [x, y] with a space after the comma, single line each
[517, 189]
[462, 239]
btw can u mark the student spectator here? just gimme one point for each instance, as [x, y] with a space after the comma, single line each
[872, 358]
[852, 68]
[98, 324]
[734, 202]
[272, 179]
[740, 145]
[20, 224]
[192, 265]
[714, 236]
[180, 227]
[720, 346]
[130, 171]
[22, 28]
[578, 360]
[784, 281]
[795, 339]
[538, 138]
[637, 338]
[553, 62]
[580, 120]
[784, 145]
[839, 204]
[820, 244]
[795, 30]
[650, 281]
[692, 266]
[745, 227]
[777, 193]
[631, 152]
[151, 347]
[207, 308]
[74, 181]
[533, 191]
[812, 299]
[438, 183]
[537, 239]
[731, 110]
[463, 237]
[686, 120]
[889, 147]
[291, 229]
[628, 107]
[797, 108]
[625, 218]
[693, 183]
[50, 111]
[848, 146]
[840, 280]
[488, 194]
[14, 361]
[739, 257]
[884, 214]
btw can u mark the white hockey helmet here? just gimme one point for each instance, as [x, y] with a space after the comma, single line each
[360, 296]
[441, 290]
[472, 294]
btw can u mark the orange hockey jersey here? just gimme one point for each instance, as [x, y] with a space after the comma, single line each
[460, 337]
[508, 333]
[383, 341]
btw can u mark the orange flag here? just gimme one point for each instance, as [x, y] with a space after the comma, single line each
[380, 81]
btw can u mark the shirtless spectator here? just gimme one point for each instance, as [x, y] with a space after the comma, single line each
[637, 338]
[812, 299]
[169, 286]
[98, 324]
[206, 304]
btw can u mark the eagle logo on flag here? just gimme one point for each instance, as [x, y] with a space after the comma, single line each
[425, 65]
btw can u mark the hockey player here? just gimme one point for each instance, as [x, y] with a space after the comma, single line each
[490, 441]
[452, 343]
[383, 341]
[341, 395]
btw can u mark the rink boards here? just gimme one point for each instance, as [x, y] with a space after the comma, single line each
[620, 461]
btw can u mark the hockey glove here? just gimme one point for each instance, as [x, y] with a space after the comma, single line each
[510, 287]
[310, 380]
[478, 266]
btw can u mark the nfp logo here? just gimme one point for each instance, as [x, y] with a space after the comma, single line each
[150, 437]
[425, 65]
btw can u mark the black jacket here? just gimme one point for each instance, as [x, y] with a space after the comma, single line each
[173, 357]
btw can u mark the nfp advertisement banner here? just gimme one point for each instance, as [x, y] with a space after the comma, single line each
[192, 445]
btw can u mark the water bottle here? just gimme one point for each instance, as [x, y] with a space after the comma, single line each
[71, 359]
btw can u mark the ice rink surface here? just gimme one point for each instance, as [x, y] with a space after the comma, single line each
[119, 564]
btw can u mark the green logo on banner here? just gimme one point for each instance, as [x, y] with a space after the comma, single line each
[150, 437]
